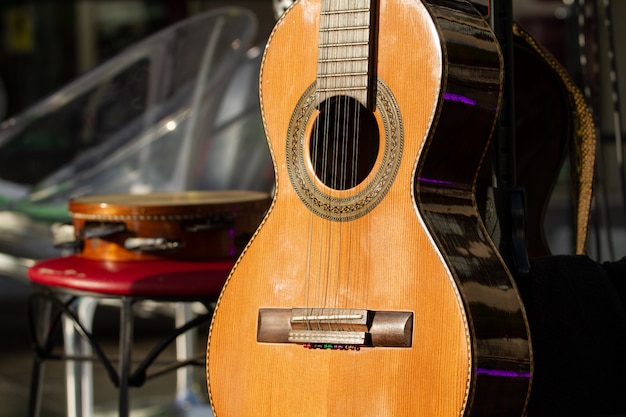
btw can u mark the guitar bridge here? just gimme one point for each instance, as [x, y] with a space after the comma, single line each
[335, 327]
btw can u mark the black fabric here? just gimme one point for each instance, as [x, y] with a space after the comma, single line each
[578, 328]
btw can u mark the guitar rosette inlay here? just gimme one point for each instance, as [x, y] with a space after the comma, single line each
[350, 204]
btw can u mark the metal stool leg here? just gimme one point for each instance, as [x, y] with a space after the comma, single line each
[39, 315]
[79, 373]
[86, 312]
[186, 396]
[126, 345]
[34, 404]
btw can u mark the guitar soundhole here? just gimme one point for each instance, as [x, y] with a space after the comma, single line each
[344, 143]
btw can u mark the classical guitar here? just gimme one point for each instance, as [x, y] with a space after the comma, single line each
[371, 286]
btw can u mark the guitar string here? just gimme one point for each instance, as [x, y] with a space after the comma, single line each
[312, 289]
[351, 143]
[343, 137]
[335, 181]
[351, 281]
[330, 160]
[315, 147]
[324, 242]
[341, 152]
[338, 155]
[332, 165]
[350, 149]
[350, 135]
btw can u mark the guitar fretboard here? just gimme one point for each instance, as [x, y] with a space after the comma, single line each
[344, 49]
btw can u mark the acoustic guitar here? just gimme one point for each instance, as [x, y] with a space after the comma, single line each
[371, 286]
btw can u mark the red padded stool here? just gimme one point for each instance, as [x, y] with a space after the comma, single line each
[60, 282]
[176, 247]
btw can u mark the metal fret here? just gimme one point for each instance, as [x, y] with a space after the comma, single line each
[326, 90]
[342, 44]
[345, 74]
[346, 11]
[339, 29]
[343, 53]
[349, 59]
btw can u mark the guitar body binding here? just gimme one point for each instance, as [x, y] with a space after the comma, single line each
[402, 240]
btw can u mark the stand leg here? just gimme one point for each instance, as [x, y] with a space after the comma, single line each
[79, 373]
[39, 321]
[126, 344]
[186, 397]
[86, 312]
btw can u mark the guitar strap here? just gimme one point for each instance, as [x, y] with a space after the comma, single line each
[583, 145]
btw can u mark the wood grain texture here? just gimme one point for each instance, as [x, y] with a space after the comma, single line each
[384, 260]
[204, 225]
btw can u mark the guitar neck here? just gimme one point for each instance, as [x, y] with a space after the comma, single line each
[346, 51]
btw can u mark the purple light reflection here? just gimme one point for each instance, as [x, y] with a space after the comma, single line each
[501, 373]
[459, 98]
[431, 181]
[232, 250]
